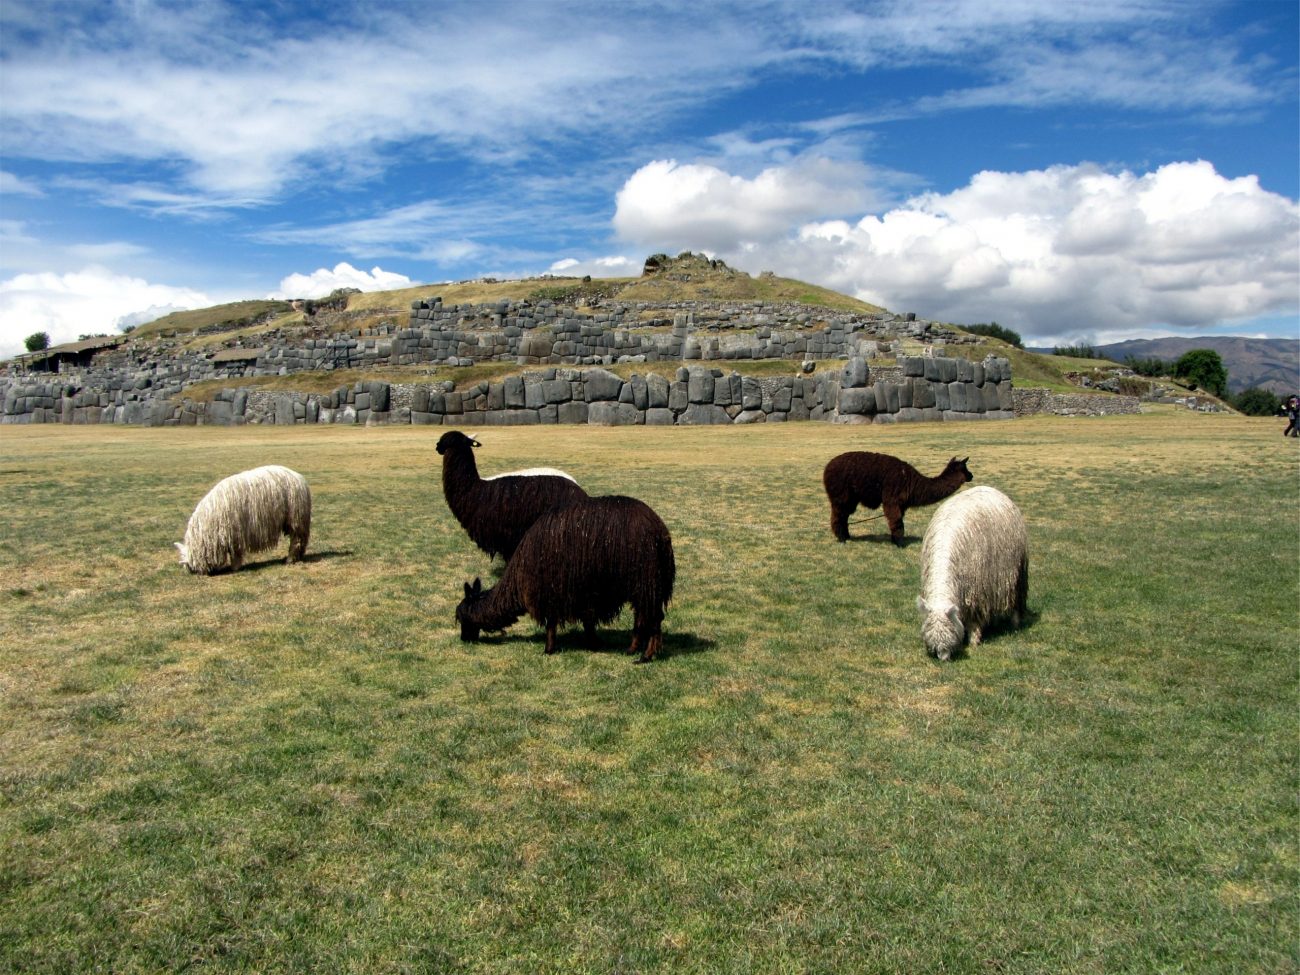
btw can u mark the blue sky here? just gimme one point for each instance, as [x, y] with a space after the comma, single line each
[1077, 171]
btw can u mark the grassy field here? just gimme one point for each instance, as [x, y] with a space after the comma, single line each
[302, 768]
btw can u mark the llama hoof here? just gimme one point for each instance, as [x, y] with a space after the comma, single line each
[643, 659]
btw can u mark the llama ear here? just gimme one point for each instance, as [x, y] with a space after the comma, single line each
[185, 555]
[955, 616]
[468, 591]
[478, 586]
[920, 604]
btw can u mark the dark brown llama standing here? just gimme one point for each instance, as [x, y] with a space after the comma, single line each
[860, 477]
[581, 564]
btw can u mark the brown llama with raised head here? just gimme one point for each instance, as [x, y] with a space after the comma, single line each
[496, 512]
[581, 564]
[860, 477]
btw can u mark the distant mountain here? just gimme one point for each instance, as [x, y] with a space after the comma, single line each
[1272, 364]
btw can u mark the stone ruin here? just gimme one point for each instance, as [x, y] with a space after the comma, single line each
[564, 349]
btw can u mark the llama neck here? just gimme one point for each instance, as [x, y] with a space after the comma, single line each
[496, 609]
[934, 489]
[459, 475]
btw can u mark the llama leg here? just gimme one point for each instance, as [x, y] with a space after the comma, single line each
[973, 636]
[894, 515]
[589, 632]
[652, 647]
[840, 519]
[647, 635]
[550, 637]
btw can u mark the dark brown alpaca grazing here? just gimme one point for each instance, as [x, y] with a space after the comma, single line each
[863, 478]
[496, 512]
[582, 563]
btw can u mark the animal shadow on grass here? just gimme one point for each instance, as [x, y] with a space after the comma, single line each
[607, 641]
[309, 557]
[884, 539]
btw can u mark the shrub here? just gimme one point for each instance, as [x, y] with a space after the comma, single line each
[37, 341]
[1148, 366]
[1133, 386]
[1204, 369]
[996, 331]
[1257, 402]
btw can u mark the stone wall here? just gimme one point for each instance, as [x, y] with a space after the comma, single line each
[918, 389]
[1029, 401]
[543, 332]
[530, 333]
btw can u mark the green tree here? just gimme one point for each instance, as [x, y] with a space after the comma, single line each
[1148, 366]
[1204, 369]
[1081, 351]
[994, 330]
[1257, 402]
[37, 341]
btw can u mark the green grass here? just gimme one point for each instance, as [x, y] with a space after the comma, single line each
[302, 768]
[229, 316]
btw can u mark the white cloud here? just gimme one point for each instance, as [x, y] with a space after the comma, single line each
[15, 185]
[237, 113]
[105, 253]
[83, 302]
[598, 267]
[235, 107]
[322, 281]
[680, 205]
[1065, 251]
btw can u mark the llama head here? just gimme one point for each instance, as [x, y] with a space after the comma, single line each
[453, 440]
[184, 554]
[960, 465]
[469, 631]
[941, 629]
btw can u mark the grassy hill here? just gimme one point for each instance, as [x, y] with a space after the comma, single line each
[688, 277]
[237, 314]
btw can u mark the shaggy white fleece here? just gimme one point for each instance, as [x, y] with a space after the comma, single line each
[245, 513]
[974, 568]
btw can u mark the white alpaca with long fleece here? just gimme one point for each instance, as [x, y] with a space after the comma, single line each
[246, 513]
[974, 569]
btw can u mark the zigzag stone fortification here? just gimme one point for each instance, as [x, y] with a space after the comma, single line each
[564, 349]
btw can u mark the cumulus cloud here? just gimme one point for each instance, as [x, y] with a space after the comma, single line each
[322, 281]
[1066, 251]
[705, 207]
[84, 302]
[598, 267]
